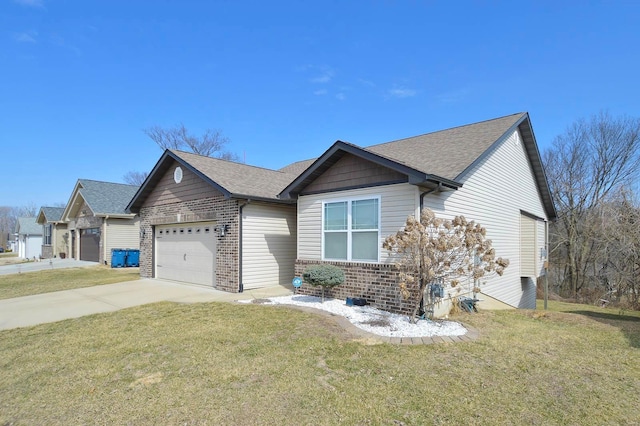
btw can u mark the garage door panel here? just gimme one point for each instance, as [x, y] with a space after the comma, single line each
[90, 244]
[186, 253]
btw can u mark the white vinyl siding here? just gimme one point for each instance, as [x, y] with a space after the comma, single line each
[397, 202]
[494, 193]
[120, 234]
[527, 246]
[268, 245]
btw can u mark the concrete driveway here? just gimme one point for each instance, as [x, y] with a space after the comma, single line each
[60, 305]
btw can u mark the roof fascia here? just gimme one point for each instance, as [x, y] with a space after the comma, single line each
[156, 173]
[533, 154]
[489, 150]
[291, 191]
[115, 216]
[69, 207]
[42, 218]
[262, 199]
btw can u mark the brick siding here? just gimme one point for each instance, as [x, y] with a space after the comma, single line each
[377, 283]
[227, 247]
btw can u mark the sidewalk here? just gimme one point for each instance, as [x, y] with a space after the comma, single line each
[60, 305]
[18, 268]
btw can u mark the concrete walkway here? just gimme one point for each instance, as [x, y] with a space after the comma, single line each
[44, 264]
[60, 305]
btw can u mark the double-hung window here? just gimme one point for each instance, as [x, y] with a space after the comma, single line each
[351, 230]
[47, 234]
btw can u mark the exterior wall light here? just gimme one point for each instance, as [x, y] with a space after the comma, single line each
[222, 230]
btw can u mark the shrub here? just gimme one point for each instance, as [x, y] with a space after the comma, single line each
[324, 275]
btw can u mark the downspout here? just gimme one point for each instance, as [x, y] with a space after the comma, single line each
[104, 244]
[240, 283]
[421, 310]
[422, 199]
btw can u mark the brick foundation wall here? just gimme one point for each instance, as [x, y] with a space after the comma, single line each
[378, 283]
[47, 252]
[227, 247]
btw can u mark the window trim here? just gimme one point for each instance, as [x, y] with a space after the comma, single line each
[349, 230]
[48, 232]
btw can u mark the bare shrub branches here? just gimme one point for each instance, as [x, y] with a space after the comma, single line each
[433, 249]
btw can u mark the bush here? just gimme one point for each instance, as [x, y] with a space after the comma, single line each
[323, 275]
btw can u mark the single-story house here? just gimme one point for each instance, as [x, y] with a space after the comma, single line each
[215, 223]
[97, 221]
[236, 227]
[490, 172]
[54, 232]
[28, 238]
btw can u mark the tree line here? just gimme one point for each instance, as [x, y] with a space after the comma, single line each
[593, 170]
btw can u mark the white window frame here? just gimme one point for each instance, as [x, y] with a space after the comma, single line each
[349, 230]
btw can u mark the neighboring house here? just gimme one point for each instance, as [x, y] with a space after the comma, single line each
[215, 223]
[351, 198]
[97, 221]
[29, 238]
[54, 232]
[237, 227]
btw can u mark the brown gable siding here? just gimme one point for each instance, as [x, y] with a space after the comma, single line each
[190, 188]
[352, 171]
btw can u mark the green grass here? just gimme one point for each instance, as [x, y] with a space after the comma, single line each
[220, 363]
[26, 284]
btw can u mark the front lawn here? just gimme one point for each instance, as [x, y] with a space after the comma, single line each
[29, 283]
[219, 363]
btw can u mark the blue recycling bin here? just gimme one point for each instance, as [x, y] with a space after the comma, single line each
[118, 258]
[132, 258]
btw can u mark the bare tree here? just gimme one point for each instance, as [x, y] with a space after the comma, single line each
[449, 251]
[618, 266]
[585, 166]
[9, 217]
[211, 143]
[135, 178]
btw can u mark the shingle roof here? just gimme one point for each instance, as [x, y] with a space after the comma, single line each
[441, 156]
[51, 214]
[106, 197]
[447, 153]
[297, 167]
[239, 179]
[28, 225]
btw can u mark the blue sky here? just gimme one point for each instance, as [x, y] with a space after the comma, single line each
[80, 80]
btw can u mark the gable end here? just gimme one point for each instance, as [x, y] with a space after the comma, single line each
[351, 171]
[167, 191]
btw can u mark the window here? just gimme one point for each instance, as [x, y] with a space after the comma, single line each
[351, 230]
[47, 234]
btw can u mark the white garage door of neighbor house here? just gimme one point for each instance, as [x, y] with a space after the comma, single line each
[186, 252]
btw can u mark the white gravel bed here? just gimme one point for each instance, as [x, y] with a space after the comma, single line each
[373, 320]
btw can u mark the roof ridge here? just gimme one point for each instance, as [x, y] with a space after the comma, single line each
[448, 129]
[104, 181]
[227, 161]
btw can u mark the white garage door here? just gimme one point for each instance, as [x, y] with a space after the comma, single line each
[186, 252]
